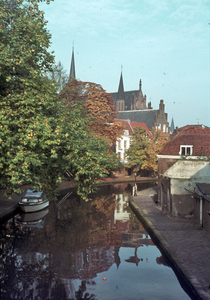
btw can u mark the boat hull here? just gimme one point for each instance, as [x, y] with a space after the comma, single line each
[33, 207]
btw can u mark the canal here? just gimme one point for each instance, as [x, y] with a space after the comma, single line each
[84, 250]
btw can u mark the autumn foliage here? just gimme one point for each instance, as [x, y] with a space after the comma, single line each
[98, 105]
[143, 150]
[156, 141]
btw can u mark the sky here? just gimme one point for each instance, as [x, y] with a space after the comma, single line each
[165, 43]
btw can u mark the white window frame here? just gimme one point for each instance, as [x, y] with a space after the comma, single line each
[120, 144]
[185, 147]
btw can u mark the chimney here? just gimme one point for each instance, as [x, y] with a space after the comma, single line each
[149, 105]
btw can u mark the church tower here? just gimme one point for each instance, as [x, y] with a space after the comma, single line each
[140, 100]
[72, 74]
[120, 101]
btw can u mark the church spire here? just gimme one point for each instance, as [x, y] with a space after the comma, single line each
[172, 125]
[72, 69]
[121, 94]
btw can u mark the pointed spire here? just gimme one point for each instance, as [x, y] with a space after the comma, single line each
[72, 69]
[121, 94]
[140, 84]
[172, 125]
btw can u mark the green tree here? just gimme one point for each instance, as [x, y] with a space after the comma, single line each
[137, 153]
[59, 75]
[27, 98]
[88, 155]
[39, 138]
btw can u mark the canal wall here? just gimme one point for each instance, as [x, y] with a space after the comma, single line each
[184, 246]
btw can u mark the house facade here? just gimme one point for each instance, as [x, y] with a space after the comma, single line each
[182, 162]
[123, 143]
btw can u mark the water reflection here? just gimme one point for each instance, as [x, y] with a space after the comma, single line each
[67, 252]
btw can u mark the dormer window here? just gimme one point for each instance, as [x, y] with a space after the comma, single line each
[126, 132]
[186, 150]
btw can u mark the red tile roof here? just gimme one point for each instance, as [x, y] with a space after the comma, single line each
[193, 135]
[191, 127]
[128, 125]
[138, 124]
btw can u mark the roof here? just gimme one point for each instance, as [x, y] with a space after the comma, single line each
[128, 97]
[138, 124]
[198, 137]
[204, 188]
[147, 116]
[128, 125]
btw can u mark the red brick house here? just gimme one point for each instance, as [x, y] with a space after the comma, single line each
[183, 161]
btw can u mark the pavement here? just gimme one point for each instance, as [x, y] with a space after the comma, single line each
[183, 242]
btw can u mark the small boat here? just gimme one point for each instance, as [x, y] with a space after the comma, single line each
[33, 201]
[34, 219]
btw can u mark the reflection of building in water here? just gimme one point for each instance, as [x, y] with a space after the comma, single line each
[78, 241]
[121, 213]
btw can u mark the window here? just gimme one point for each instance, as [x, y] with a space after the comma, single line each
[126, 132]
[186, 150]
[119, 144]
[164, 127]
[125, 144]
[122, 106]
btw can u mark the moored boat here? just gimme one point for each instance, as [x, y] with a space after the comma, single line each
[33, 201]
[33, 219]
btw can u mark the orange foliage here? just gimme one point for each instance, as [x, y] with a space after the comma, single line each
[156, 141]
[98, 104]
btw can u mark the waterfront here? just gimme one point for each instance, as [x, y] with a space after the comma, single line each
[79, 250]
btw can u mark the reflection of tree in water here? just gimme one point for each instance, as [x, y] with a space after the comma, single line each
[33, 265]
[81, 291]
[74, 244]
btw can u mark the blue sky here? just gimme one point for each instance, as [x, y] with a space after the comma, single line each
[165, 43]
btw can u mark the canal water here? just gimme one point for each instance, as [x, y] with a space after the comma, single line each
[84, 250]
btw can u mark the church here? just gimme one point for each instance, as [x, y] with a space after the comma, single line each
[132, 105]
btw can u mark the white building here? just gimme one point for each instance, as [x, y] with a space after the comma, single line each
[123, 143]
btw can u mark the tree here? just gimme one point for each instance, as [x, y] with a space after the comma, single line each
[59, 75]
[89, 155]
[156, 141]
[98, 104]
[39, 138]
[138, 151]
[27, 98]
